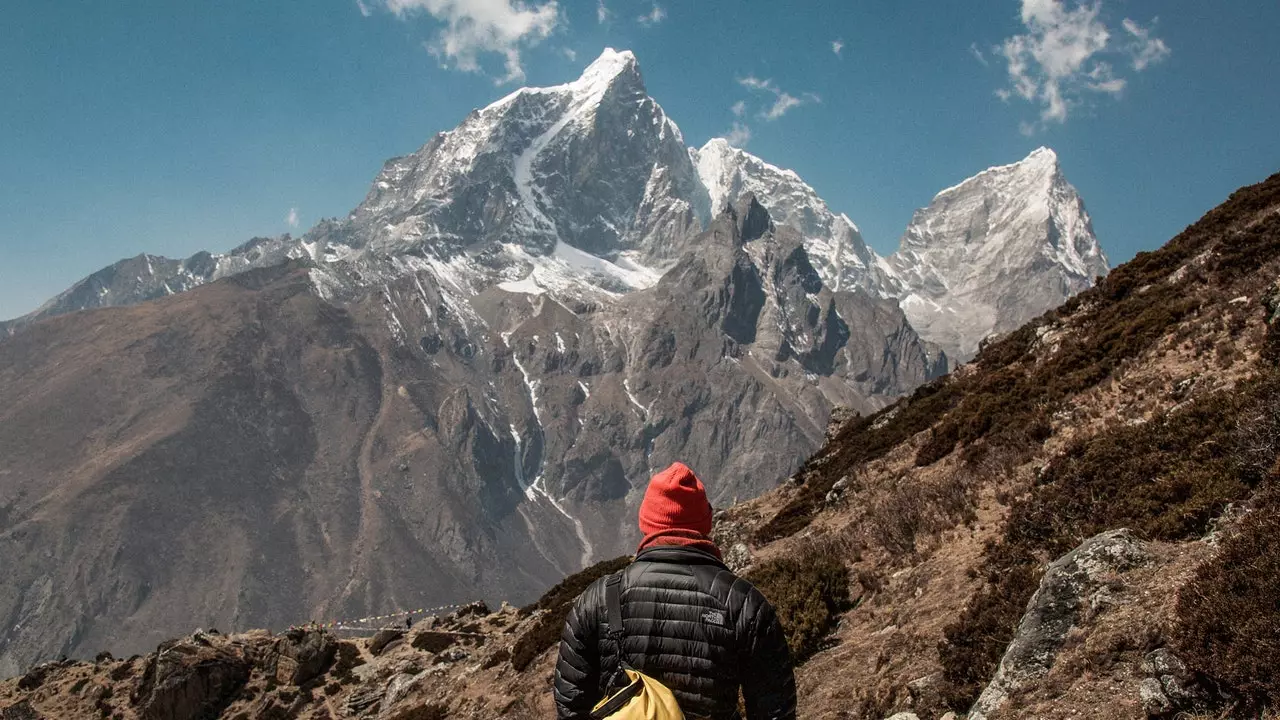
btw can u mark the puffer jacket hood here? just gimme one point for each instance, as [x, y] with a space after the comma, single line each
[690, 623]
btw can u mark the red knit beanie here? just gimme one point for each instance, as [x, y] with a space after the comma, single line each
[675, 500]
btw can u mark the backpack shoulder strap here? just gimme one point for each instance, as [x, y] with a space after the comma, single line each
[613, 601]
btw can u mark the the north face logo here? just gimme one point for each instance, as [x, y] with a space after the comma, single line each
[713, 617]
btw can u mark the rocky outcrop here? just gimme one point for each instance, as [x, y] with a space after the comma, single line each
[189, 680]
[1069, 585]
[303, 654]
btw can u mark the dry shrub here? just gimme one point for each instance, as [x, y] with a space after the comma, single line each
[913, 508]
[557, 601]
[1167, 478]
[807, 594]
[1228, 616]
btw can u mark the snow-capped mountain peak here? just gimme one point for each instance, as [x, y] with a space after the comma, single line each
[587, 189]
[833, 242]
[994, 251]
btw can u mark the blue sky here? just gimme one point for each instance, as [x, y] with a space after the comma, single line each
[153, 126]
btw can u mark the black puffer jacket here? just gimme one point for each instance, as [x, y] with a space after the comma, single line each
[690, 623]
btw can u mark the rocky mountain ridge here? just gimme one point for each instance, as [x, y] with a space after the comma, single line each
[586, 189]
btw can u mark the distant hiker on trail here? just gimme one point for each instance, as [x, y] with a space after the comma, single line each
[686, 621]
[408, 621]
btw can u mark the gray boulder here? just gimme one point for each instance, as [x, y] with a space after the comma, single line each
[384, 640]
[1176, 683]
[1154, 702]
[301, 655]
[1064, 594]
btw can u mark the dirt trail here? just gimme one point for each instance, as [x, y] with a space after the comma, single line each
[366, 536]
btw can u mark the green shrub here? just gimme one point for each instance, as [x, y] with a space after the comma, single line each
[546, 630]
[1228, 616]
[807, 594]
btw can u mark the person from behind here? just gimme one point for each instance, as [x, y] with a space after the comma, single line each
[687, 621]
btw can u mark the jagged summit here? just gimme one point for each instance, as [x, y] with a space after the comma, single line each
[834, 243]
[612, 68]
[1041, 162]
[995, 250]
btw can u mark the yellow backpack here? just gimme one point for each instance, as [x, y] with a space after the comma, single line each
[643, 697]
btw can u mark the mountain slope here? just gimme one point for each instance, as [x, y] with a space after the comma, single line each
[411, 446]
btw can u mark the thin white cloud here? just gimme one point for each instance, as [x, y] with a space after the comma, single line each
[780, 106]
[973, 49]
[1059, 60]
[292, 218]
[739, 135]
[570, 53]
[653, 17]
[1145, 49]
[782, 101]
[836, 46]
[477, 27]
[602, 12]
[739, 108]
[365, 10]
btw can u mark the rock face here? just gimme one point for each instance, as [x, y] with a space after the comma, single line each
[995, 251]
[1066, 589]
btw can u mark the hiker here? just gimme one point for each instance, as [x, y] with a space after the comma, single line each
[408, 621]
[686, 621]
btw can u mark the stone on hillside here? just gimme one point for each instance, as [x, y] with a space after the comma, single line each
[903, 716]
[20, 710]
[432, 641]
[453, 655]
[189, 681]
[1154, 702]
[1176, 681]
[384, 640]
[36, 676]
[926, 691]
[362, 701]
[1057, 606]
[737, 557]
[301, 655]
[476, 608]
